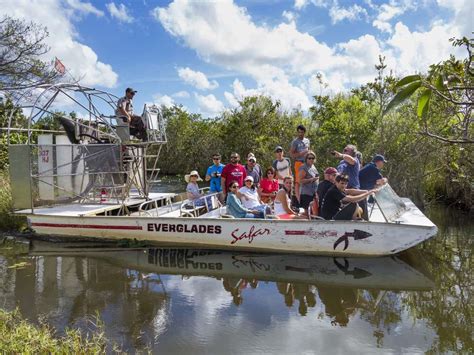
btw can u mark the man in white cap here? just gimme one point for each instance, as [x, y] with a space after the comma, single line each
[253, 169]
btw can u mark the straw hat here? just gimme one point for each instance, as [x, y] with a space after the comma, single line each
[188, 176]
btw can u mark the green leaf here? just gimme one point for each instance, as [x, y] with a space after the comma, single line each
[402, 95]
[424, 103]
[439, 83]
[407, 80]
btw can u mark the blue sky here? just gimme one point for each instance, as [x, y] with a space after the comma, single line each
[206, 55]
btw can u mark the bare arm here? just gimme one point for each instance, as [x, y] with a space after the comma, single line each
[281, 196]
[122, 111]
[350, 160]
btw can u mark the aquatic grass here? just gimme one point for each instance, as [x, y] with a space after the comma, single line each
[18, 336]
[8, 221]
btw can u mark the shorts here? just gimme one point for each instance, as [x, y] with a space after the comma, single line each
[298, 165]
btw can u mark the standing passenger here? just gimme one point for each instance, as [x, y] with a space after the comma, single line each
[349, 165]
[309, 179]
[232, 172]
[282, 165]
[253, 169]
[298, 150]
[269, 186]
[369, 177]
[213, 174]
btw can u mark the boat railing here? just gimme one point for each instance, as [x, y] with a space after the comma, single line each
[155, 206]
[201, 205]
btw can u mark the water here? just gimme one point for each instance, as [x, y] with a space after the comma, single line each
[190, 301]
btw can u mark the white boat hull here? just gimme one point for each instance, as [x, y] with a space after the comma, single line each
[314, 237]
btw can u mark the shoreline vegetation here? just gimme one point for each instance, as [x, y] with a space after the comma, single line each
[20, 336]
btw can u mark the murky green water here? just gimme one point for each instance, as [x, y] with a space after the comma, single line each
[193, 301]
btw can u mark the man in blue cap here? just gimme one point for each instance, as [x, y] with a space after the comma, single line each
[369, 177]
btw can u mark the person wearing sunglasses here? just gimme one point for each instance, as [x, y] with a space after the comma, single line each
[213, 174]
[232, 172]
[236, 208]
[349, 165]
[309, 179]
[340, 202]
[269, 186]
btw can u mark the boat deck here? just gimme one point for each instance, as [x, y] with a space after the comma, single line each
[81, 209]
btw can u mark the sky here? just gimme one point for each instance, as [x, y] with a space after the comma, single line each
[207, 55]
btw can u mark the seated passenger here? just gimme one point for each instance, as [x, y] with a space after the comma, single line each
[235, 207]
[328, 182]
[338, 195]
[192, 189]
[124, 111]
[269, 186]
[283, 201]
[249, 196]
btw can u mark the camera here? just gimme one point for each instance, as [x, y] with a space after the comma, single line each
[333, 152]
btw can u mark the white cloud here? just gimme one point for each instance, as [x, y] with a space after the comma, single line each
[181, 94]
[283, 61]
[209, 105]
[119, 12]
[233, 102]
[197, 79]
[84, 7]
[289, 16]
[80, 60]
[164, 100]
[387, 12]
[354, 12]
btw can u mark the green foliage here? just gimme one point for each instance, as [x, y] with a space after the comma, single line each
[20, 337]
[7, 220]
[405, 92]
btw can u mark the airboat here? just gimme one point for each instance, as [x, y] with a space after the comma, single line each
[89, 179]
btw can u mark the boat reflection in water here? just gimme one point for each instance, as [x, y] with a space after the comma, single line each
[298, 278]
[143, 301]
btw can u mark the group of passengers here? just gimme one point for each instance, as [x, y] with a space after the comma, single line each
[249, 193]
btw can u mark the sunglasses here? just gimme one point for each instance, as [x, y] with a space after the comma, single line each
[216, 158]
[279, 151]
[246, 181]
[193, 176]
[311, 158]
[234, 187]
[269, 173]
[233, 157]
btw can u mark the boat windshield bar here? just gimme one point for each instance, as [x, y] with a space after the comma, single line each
[390, 204]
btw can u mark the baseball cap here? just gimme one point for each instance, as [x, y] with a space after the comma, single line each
[278, 147]
[379, 157]
[330, 170]
[248, 178]
[130, 90]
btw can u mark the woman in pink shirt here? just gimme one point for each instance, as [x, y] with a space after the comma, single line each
[268, 186]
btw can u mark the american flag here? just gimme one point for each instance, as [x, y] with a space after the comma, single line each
[59, 66]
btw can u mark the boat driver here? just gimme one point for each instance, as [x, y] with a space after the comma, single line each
[124, 111]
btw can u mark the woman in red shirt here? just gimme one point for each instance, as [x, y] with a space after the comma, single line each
[268, 186]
